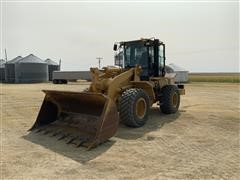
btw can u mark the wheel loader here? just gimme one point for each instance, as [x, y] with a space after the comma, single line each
[116, 94]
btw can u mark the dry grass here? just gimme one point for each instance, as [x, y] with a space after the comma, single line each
[215, 77]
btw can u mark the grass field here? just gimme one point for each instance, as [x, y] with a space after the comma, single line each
[215, 77]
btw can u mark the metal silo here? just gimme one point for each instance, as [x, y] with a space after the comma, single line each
[2, 70]
[31, 69]
[52, 66]
[10, 69]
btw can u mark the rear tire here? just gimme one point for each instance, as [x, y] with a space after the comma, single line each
[169, 99]
[55, 81]
[64, 81]
[134, 107]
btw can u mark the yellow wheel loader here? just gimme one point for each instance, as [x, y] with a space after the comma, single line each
[123, 93]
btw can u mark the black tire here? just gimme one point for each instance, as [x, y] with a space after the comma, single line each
[55, 81]
[169, 99]
[64, 81]
[130, 115]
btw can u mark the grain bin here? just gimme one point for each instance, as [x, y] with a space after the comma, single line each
[10, 69]
[31, 69]
[2, 70]
[52, 66]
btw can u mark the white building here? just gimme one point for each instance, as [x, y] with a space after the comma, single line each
[181, 73]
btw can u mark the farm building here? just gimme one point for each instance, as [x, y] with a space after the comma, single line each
[2, 70]
[52, 66]
[10, 69]
[181, 73]
[168, 69]
[31, 69]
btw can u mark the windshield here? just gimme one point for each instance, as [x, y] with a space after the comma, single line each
[135, 53]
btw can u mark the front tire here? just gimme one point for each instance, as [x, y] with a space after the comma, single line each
[169, 99]
[134, 107]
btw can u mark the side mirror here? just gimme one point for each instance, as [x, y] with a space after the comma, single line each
[115, 47]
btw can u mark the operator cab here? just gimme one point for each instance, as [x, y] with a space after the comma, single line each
[148, 53]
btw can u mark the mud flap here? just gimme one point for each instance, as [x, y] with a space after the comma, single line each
[84, 118]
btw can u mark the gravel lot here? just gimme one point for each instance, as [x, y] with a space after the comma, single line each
[201, 141]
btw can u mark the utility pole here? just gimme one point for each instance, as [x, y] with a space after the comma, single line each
[99, 61]
[59, 64]
[6, 55]
[5, 69]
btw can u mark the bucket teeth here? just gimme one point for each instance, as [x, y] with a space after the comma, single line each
[63, 136]
[69, 137]
[47, 132]
[82, 141]
[71, 140]
[56, 133]
[39, 130]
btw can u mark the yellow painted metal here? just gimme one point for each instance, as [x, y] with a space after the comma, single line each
[92, 116]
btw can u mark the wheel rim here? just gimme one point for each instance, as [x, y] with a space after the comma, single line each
[141, 108]
[175, 99]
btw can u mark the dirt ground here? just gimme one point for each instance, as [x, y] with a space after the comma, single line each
[201, 141]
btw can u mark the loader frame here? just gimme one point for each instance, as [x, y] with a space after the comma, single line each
[125, 94]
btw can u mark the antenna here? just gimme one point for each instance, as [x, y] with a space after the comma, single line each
[99, 61]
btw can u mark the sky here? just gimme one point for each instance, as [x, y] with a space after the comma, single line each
[199, 36]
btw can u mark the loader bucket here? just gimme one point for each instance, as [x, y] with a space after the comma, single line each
[81, 118]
